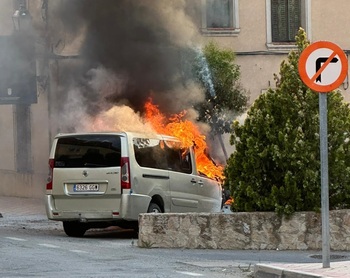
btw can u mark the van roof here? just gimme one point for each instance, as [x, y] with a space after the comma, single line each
[124, 133]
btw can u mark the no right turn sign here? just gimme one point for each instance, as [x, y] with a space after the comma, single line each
[323, 66]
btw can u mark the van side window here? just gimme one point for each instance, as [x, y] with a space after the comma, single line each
[159, 154]
[174, 160]
[186, 165]
[88, 151]
[150, 153]
[179, 159]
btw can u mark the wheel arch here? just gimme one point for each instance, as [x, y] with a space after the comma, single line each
[157, 199]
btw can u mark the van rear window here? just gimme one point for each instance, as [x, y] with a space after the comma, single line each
[88, 151]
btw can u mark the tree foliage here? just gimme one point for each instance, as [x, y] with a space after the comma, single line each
[219, 75]
[276, 164]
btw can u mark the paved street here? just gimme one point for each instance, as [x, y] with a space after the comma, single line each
[33, 246]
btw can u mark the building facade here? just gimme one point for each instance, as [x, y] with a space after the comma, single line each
[261, 33]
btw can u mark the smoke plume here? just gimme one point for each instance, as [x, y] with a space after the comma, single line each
[121, 53]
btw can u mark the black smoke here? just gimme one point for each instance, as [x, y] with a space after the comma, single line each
[129, 38]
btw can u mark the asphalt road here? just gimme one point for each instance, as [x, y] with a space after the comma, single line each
[33, 246]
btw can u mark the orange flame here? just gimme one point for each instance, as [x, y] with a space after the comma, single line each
[189, 135]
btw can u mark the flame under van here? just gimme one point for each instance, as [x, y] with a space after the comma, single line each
[105, 179]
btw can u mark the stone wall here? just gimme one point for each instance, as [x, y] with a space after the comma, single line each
[254, 231]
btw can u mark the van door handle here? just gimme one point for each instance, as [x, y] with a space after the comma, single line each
[200, 183]
[193, 180]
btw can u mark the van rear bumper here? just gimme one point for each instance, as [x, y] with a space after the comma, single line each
[74, 215]
[131, 206]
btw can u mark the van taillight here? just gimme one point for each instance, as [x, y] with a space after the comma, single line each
[50, 177]
[125, 173]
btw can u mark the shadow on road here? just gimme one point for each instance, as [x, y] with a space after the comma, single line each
[111, 232]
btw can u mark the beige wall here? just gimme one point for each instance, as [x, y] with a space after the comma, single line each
[13, 183]
[7, 161]
[6, 12]
[329, 21]
[6, 112]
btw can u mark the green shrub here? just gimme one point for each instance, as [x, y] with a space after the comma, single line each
[276, 163]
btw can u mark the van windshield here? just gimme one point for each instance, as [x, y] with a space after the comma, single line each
[88, 151]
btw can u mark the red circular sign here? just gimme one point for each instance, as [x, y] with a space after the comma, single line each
[323, 66]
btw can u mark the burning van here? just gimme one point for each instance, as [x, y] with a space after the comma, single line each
[103, 179]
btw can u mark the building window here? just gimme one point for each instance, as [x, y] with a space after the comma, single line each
[284, 17]
[220, 17]
[219, 14]
[285, 20]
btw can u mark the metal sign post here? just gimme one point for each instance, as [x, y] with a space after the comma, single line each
[324, 179]
[323, 66]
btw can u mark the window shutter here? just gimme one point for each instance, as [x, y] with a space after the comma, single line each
[294, 12]
[279, 20]
[285, 19]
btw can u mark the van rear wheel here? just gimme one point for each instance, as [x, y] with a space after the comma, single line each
[74, 229]
[154, 208]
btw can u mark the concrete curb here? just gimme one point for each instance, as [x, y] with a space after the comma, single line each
[268, 271]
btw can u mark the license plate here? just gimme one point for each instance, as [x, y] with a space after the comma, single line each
[85, 187]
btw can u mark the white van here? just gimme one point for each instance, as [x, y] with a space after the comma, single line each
[104, 179]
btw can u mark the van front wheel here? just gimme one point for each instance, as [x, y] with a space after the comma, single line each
[74, 229]
[154, 208]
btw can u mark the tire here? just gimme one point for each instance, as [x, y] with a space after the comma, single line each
[74, 229]
[154, 208]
